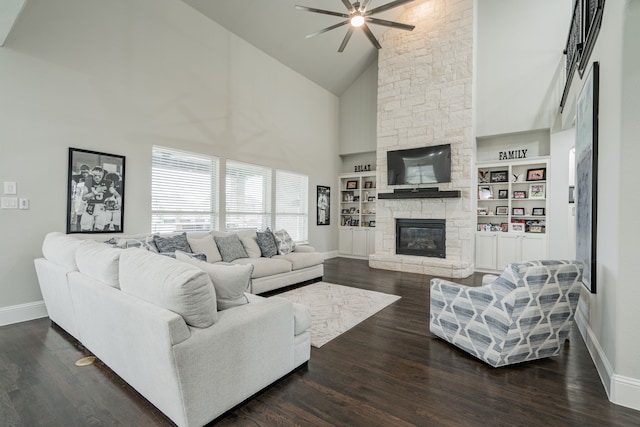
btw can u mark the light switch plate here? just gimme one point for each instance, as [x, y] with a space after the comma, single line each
[10, 187]
[9, 203]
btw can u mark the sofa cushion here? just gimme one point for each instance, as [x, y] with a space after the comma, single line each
[230, 247]
[265, 266]
[230, 281]
[99, 261]
[267, 243]
[174, 243]
[174, 285]
[61, 249]
[250, 243]
[284, 242]
[300, 260]
[145, 242]
[205, 245]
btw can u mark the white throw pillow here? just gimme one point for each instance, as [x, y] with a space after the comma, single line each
[284, 242]
[171, 284]
[249, 240]
[205, 245]
[230, 281]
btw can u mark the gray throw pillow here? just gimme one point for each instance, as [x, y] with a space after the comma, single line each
[267, 243]
[172, 243]
[199, 256]
[230, 281]
[230, 247]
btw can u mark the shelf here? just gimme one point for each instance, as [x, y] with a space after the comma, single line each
[420, 194]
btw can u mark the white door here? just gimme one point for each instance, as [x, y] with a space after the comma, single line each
[534, 247]
[508, 249]
[345, 240]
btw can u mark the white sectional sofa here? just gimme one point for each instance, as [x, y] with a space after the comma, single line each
[157, 323]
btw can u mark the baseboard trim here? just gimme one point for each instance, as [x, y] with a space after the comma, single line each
[22, 313]
[330, 254]
[621, 390]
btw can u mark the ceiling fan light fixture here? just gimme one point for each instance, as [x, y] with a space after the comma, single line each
[357, 21]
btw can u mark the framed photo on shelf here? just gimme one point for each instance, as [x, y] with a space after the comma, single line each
[539, 174]
[352, 185]
[537, 212]
[536, 228]
[483, 176]
[519, 194]
[516, 227]
[502, 210]
[536, 191]
[503, 194]
[371, 199]
[504, 227]
[483, 211]
[95, 199]
[485, 192]
[352, 210]
[517, 211]
[499, 176]
[368, 184]
[372, 223]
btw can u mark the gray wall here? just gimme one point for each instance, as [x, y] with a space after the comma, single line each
[119, 76]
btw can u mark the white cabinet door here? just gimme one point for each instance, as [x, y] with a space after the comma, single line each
[345, 240]
[360, 245]
[534, 247]
[486, 250]
[508, 249]
[371, 246]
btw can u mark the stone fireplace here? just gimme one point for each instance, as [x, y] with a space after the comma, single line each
[424, 99]
[421, 237]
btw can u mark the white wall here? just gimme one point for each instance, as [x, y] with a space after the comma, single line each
[519, 52]
[561, 232]
[119, 76]
[612, 315]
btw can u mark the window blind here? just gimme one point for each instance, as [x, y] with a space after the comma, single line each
[292, 204]
[184, 191]
[248, 196]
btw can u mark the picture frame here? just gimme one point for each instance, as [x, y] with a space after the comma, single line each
[502, 210]
[352, 210]
[371, 199]
[323, 206]
[95, 192]
[538, 174]
[517, 211]
[352, 185]
[482, 211]
[483, 176]
[372, 223]
[503, 194]
[516, 227]
[368, 184]
[537, 191]
[538, 212]
[536, 228]
[504, 227]
[499, 176]
[586, 198]
[519, 194]
[485, 192]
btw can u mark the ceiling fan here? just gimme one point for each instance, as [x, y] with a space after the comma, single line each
[358, 17]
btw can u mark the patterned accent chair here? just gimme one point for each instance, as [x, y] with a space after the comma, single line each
[524, 314]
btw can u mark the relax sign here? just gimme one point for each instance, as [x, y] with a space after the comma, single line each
[513, 154]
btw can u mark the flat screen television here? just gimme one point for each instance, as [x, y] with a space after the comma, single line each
[424, 165]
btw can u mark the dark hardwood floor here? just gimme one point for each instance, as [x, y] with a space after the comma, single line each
[387, 371]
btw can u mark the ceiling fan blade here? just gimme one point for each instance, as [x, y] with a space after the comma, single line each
[371, 37]
[391, 24]
[324, 30]
[364, 4]
[346, 39]
[387, 6]
[325, 12]
[348, 5]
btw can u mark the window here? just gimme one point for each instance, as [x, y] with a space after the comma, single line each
[248, 194]
[184, 191]
[292, 204]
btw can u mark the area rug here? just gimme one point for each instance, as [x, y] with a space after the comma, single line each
[335, 308]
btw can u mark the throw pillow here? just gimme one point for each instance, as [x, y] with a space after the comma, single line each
[267, 243]
[284, 242]
[230, 281]
[172, 243]
[198, 256]
[174, 285]
[230, 247]
[250, 243]
[205, 245]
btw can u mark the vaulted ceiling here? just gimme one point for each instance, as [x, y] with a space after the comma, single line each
[277, 28]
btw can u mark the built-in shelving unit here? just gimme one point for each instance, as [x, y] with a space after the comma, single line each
[357, 213]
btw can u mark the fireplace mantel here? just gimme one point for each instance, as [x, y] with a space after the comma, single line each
[420, 193]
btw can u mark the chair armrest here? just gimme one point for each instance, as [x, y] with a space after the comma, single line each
[488, 279]
[304, 248]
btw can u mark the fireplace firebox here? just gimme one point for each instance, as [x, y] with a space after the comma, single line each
[421, 237]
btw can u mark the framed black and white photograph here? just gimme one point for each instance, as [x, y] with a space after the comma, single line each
[503, 194]
[537, 212]
[324, 205]
[95, 199]
[499, 176]
[587, 176]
